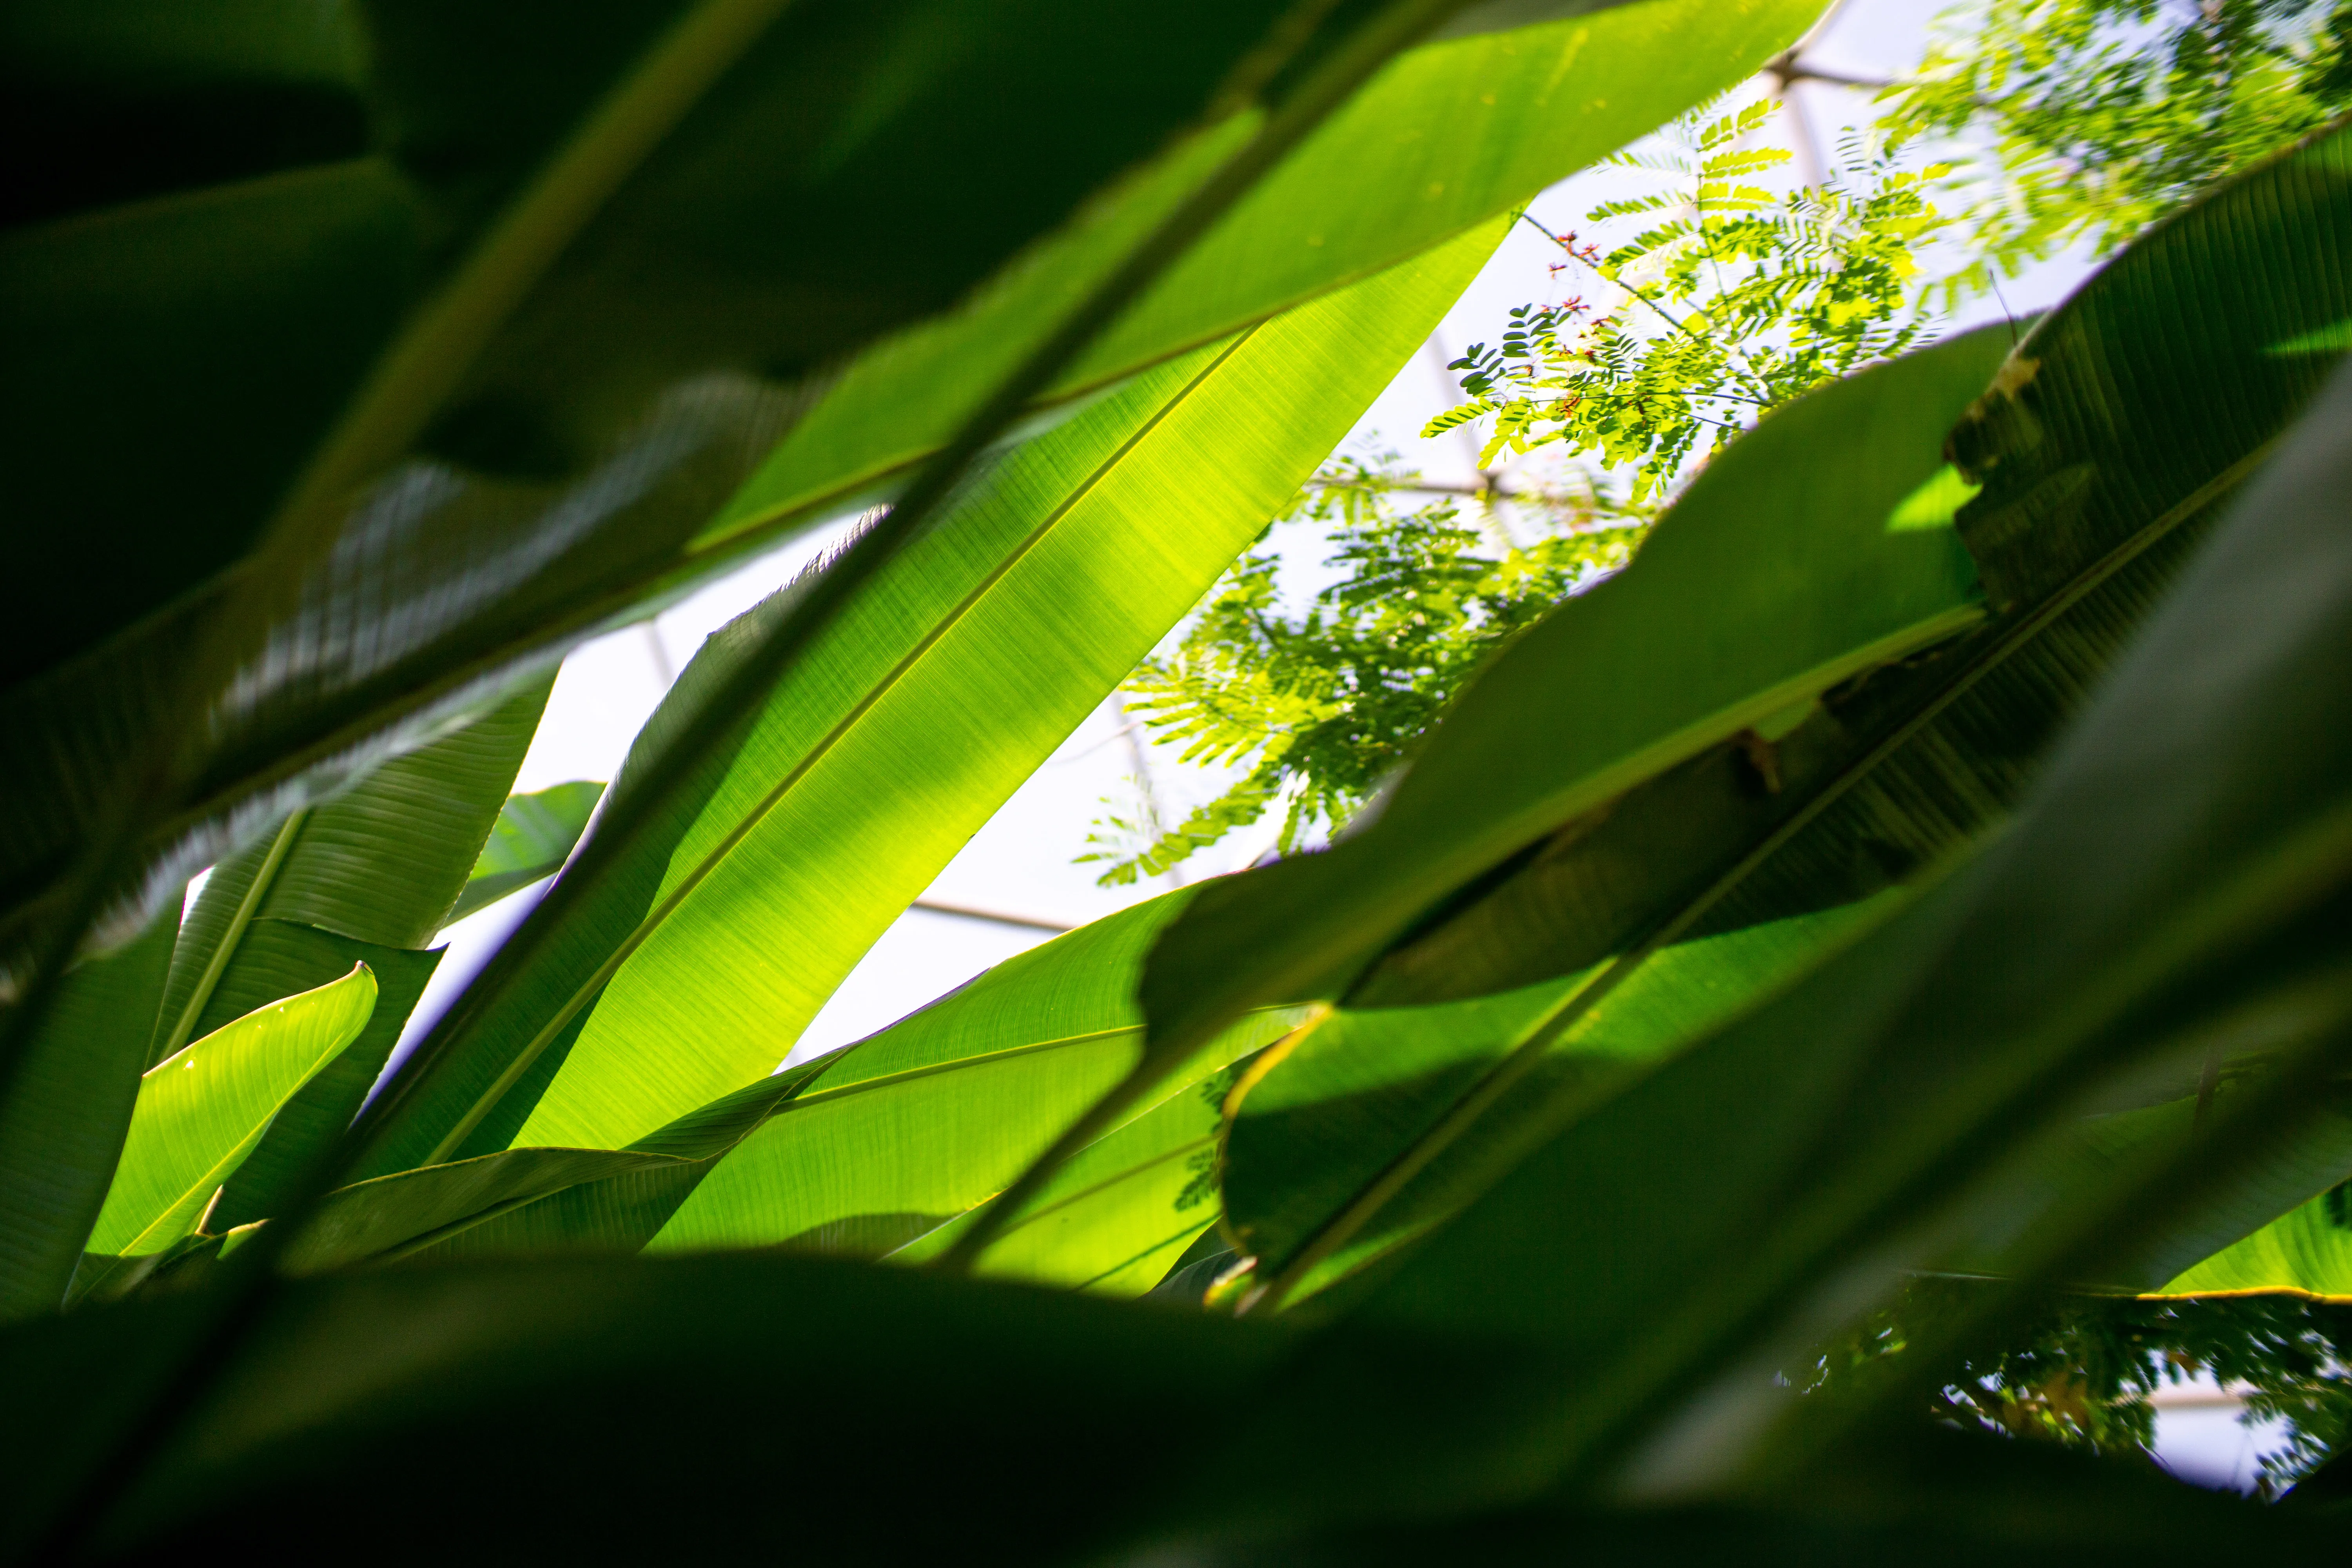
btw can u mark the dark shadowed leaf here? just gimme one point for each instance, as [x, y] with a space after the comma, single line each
[1719, 880]
[544, 499]
[61, 1134]
[2185, 858]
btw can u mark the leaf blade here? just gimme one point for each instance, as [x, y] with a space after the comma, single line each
[201, 1109]
[60, 1138]
[531, 838]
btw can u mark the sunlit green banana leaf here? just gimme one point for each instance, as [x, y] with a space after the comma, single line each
[597, 480]
[1115, 1219]
[1459, 129]
[530, 840]
[911, 721]
[276, 960]
[1383, 1122]
[861, 1151]
[393, 1216]
[203, 1109]
[366, 878]
[516, 1201]
[61, 1134]
[1717, 880]
[934, 1116]
[381, 863]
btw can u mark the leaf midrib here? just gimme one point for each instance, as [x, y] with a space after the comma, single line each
[954, 1064]
[1034, 1216]
[240, 920]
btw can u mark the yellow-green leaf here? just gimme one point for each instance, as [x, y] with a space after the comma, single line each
[203, 1109]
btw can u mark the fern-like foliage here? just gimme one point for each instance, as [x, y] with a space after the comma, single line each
[1726, 298]
[1729, 301]
[1317, 703]
[2103, 115]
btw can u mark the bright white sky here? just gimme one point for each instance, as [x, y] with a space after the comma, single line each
[1020, 862]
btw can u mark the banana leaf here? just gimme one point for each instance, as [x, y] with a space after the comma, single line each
[607, 1201]
[544, 503]
[1717, 881]
[876, 1149]
[279, 959]
[1722, 622]
[1119, 1216]
[910, 720]
[451, 124]
[931, 1118]
[366, 878]
[61, 1134]
[381, 863]
[2184, 857]
[1459, 128]
[835, 1358]
[550, 1397]
[2307, 1251]
[533, 835]
[201, 1109]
